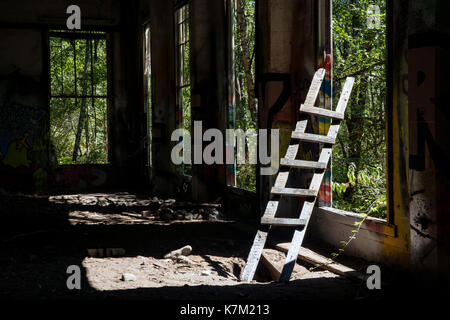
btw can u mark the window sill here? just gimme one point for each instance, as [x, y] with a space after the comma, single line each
[349, 218]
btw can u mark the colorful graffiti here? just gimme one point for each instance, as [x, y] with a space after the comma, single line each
[21, 145]
[325, 101]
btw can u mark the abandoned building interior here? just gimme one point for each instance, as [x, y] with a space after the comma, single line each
[87, 177]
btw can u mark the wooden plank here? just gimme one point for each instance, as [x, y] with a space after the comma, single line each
[301, 126]
[291, 257]
[333, 130]
[309, 137]
[317, 178]
[281, 180]
[283, 221]
[271, 209]
[342, 105]
[303, 164]
[273, 270]
[322, 112]
[345, 95]
[294, 192]
[253, 258]
[314, 88]
[292, 151]
[315, 258]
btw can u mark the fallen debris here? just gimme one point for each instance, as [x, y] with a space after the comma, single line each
[174, 255]
[274, 260]
[184, 260]
[108, 252]
[315, 258]
[152, 208]
[128, 277]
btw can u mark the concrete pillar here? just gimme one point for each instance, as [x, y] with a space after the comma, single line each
[209, 85]
[286, 62]
[429, 138]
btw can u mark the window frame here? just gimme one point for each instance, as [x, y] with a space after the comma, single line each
[389, 220]
[179, 68]
[77, 35]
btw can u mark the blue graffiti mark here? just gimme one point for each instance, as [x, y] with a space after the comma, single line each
[17, 120]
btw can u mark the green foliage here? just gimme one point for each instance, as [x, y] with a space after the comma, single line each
[245, 173]
[246, 176]
[67, 68]
[359, 156]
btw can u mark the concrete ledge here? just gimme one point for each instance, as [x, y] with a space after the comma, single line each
[349, 218]
[377, 240]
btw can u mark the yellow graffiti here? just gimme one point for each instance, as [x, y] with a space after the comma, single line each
[16, 155]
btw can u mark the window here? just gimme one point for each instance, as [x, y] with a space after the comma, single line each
[359, 157]
[148, 91]
[183, 74]
[244, 114]
[78, 97]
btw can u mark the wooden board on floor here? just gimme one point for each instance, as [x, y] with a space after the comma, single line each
[315, 258]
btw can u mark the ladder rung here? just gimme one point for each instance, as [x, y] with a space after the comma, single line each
[309, 137]
[322, 112]
[294, 192]
[303, 164]
[283, 221]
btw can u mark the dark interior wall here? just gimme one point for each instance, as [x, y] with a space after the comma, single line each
[33, 14]
[428, 56]
[23, 108]
[24, 122]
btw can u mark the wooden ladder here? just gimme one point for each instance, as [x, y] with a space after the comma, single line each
[289, 162]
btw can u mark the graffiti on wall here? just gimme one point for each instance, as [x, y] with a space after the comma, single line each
[24, 134]
[428, 151]
[17, 134]
[325, 101]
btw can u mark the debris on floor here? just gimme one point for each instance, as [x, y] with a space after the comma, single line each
[136, 209]
[128, 277]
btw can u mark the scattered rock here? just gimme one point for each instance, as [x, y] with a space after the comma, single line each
[146, 213]
[128, 277]
[159, 266]
[179, 216]
[185, 251]
[167, 214]
[185, 260]
[206, 273]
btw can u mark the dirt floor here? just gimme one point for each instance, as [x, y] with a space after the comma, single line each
[115, 235]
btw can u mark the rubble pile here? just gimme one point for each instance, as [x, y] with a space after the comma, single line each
[153, 208]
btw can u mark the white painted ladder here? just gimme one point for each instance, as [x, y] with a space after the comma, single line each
[289, 162]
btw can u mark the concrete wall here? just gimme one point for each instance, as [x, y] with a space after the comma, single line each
[23, 109]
